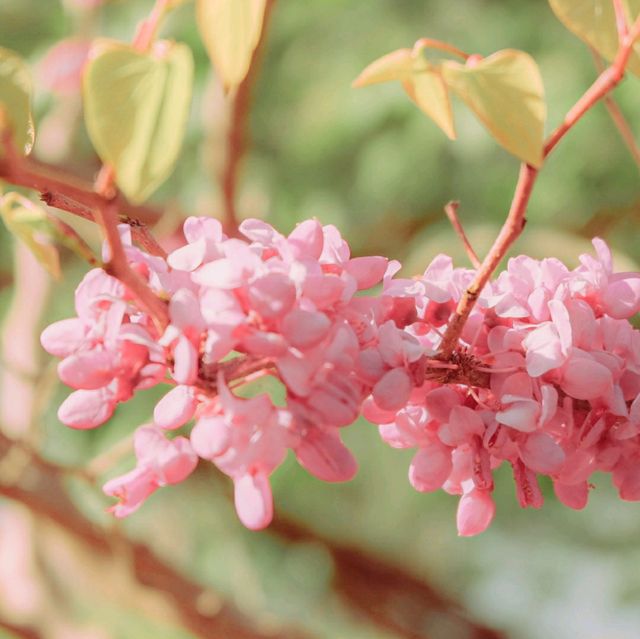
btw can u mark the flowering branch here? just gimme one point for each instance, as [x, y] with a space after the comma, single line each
[515, 221]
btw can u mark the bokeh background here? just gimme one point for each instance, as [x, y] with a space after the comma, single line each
[371, 558]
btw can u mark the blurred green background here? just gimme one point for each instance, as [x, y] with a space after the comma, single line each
[370, 162]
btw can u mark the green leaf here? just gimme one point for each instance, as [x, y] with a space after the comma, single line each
[230, 30]
[594, 21]
[15, 100]
[136, 110]
[505, 91]
[30, 223]
[429, 91]
[396, 65]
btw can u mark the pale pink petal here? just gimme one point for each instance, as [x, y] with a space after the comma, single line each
[176, 408]
[440, 401]
[621, 299]
[206, 228]
[584, 378]
[430, 467]
[325, 456]
[86, 409]
[367, 271]
[306, 240]
[476, 510]
[64, 337]
[376, 415]
[185, 369]
[210, 437]
[176, 462]
[88, 370]
[253, 500]
[188, 257]
[272, 295]
[542, 454]
[131, 489]
[304, 329]
[392, 391]
[521, 415]
[574, 496]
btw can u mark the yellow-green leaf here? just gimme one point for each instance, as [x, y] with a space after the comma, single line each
[396, 65]
[422, 82]
[428, 90]
[505, 91]
[15, 100]
[30, 223]
[594, 21]
[230, 30]
[136, 110]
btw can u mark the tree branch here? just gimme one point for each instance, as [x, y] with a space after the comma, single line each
[236, 141]
[39, 485]
[515, 221]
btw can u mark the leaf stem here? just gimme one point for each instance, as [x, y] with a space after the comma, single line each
[515, 222]
[430, 43]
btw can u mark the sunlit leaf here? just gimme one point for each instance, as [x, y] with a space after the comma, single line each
[29, 222]
[428, 90]
[505, 91]
[230, 30]
[594, 21]
[422, 82]
[396, 65]
[136, 110]
[15, 100]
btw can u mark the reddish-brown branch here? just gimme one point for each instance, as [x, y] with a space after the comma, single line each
[19, 631]
[515, 221]
[237, 135]
[385, 594]
[451, 209]
[40, 487]
[118, 266]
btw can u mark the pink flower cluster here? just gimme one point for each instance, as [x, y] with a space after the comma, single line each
[546, 378]
[283, 306]
[561, 392]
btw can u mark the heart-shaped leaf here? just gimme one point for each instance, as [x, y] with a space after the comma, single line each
[396, 65]
[136, 110]
[230, 30]
[594, 21]
[429, 91]
[421, 80]
[15, 100]
[505, 91]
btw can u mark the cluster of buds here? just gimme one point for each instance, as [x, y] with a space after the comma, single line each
[546, 376]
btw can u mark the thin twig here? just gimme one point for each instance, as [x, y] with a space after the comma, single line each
[236, 141]
[617, 116]
[515, 221]
[621, 20]
[19, 631]
[451, 209]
